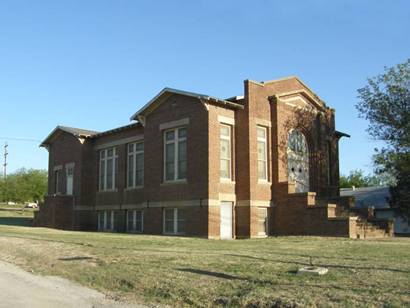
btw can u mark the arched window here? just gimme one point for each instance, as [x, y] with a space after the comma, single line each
[297, 142]
[298, 160]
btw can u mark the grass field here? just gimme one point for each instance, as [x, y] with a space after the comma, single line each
[199, 272]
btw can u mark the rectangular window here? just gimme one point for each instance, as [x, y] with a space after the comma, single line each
[262, 153]
[106, 221]
[108, 169]
[262, 221]
[225, 152]
[69, 179]
[135, 167]
[174, 221]
[175, 154]
[329, 163]
[57, 181]
[135, 221]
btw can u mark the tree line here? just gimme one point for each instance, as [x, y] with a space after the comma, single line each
[358, 178]
[24, 185]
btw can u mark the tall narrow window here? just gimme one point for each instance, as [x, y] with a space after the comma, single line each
[69, 178]
[135, 165]
[175, 154]
[262, 153]
[108, 168]
[56, 181]
[225, 152]
[329, 162]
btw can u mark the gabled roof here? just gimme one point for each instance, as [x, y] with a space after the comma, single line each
[167, 92]
[306, 91]
[77, 132]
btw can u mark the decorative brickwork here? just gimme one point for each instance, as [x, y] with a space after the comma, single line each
[263, 203]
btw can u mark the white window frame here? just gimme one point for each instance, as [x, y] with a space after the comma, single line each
[133, 229]
[265, 161]
[229, 139]
[104, 228]
[175, 229]
[69, 167]
[175, 141]
[134, 155]
[103, 186]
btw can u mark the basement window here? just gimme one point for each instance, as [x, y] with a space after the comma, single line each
[174, 221]
[135, 221]
[106, 221]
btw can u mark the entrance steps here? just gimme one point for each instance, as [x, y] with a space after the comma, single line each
[305, 214]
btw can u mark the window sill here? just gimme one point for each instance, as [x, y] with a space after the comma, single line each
[166, 183]
[134, 188]
[264, 182]
[226, 181]
[107, 191]
[261, 235]
[174, 234]
[134, 232]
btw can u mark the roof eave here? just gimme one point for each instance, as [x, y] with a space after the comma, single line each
[45, 142]
[135, 116]
[341, 134]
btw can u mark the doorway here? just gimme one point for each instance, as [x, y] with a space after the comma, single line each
[226, 220]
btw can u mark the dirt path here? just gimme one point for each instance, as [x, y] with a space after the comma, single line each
[22, 289]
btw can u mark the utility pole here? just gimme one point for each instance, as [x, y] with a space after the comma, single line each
[5, 160]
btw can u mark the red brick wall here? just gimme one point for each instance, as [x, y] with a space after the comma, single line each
[203, 180]
[65, 149]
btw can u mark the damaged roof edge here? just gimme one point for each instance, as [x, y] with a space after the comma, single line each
[184, 93]
[341, 134]
[78, 132]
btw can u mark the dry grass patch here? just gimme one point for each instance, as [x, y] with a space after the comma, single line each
[199, 272]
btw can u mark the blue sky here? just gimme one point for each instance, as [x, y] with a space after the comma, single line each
[92, 64]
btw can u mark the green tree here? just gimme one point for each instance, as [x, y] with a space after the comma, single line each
[357, 178]
[385, 102]
[24, 185]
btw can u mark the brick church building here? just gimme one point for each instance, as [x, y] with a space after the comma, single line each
[265, 163]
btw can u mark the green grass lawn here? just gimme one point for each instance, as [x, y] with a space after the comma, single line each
[199, 272]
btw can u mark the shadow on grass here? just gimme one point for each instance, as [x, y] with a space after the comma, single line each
[74, 258]
[16, 221]
[351, 267]
[271, 284]
[209, 273]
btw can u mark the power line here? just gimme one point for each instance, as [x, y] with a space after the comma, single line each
[19, 139]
